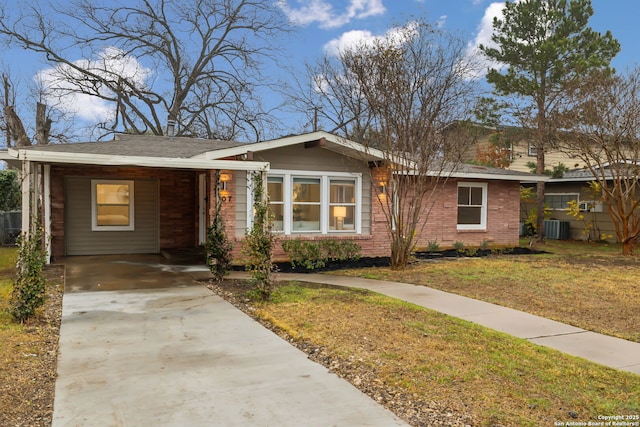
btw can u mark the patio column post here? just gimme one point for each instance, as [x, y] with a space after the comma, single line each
[46, 195]
[25, 179]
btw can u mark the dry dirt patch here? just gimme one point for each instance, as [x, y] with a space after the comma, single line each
[28, 356]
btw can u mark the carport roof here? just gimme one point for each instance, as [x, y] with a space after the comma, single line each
[142, 146]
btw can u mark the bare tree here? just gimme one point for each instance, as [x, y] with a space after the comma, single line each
[200, 58]
[604, 132]
[400, 94]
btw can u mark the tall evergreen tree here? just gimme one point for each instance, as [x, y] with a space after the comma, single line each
[544, 46]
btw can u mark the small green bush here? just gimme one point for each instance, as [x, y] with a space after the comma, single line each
[458, 246]
[314, 254]
[218, 247]
[259, 243]
[433, 246]
[29, 289]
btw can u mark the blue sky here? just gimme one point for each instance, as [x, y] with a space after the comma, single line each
[324, 25]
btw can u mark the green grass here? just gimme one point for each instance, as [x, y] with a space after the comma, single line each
[418, 352]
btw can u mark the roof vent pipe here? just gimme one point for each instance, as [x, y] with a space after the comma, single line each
[171, 127]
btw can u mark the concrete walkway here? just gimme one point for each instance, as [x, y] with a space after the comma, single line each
[603, 349]
[172, 353]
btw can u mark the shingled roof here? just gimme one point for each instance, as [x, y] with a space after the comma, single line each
[143, 146]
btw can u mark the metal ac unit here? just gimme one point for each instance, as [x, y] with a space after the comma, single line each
[554, 229]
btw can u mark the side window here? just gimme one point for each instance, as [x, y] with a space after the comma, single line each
[112, 207]
[472, 206]
[560, 201]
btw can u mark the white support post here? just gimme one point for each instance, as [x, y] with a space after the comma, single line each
[25, 178]
[46, 195]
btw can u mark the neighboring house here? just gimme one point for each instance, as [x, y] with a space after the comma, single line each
[517, 152]
[145, 194]
[575, 185]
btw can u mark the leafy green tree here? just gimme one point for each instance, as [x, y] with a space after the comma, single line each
[9, 190]
[544, 46]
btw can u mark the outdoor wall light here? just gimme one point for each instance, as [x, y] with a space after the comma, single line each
[223, 178]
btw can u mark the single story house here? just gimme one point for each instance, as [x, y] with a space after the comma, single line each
[596, 223]
[146, 194]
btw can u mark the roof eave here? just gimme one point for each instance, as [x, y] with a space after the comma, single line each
[115, 160]
[367, 152]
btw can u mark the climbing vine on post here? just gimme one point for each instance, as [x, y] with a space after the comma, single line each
[259, 242]
[29, 289]
[218, 246]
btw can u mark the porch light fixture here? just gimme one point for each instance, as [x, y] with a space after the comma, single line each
[340, 212]
[223, 178]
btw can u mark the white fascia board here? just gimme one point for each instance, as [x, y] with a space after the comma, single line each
[113, 160]
[485, 176]
[293, 140]
[533, 178]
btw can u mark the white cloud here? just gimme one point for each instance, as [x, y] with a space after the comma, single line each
[111, 61]
[483, 36]
[360, 38]
[322, 12]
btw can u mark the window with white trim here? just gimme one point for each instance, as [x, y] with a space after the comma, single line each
[315, 202]
[533, 150]
[112, 205]
[472, 206]
[275, 189]
[560, 201]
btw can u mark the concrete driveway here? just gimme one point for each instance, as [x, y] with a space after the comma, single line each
[142, 344]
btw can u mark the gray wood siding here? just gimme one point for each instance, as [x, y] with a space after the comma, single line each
[241, 203]
[313, 159]
[80, 240]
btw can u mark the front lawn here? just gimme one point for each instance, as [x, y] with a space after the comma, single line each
[28, 352]
[590, 286]
[433, 369]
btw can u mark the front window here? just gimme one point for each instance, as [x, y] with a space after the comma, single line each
[306, 204]
[560, 201]
[276, 201]
[314, 202]
[472, 206]
[342, 205]
[112, 205]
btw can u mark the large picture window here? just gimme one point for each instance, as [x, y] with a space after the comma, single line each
[315, 202]
[472, 206]
[112, 205]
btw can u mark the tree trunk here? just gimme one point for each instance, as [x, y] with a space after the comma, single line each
[540, 193]
[15, 126]
[627, 247]
[43, 125]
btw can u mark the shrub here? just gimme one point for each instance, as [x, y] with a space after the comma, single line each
[314, 254]
[458, 246]
[433, 246]
[218, 247]
[29, 290]
[259, 242]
